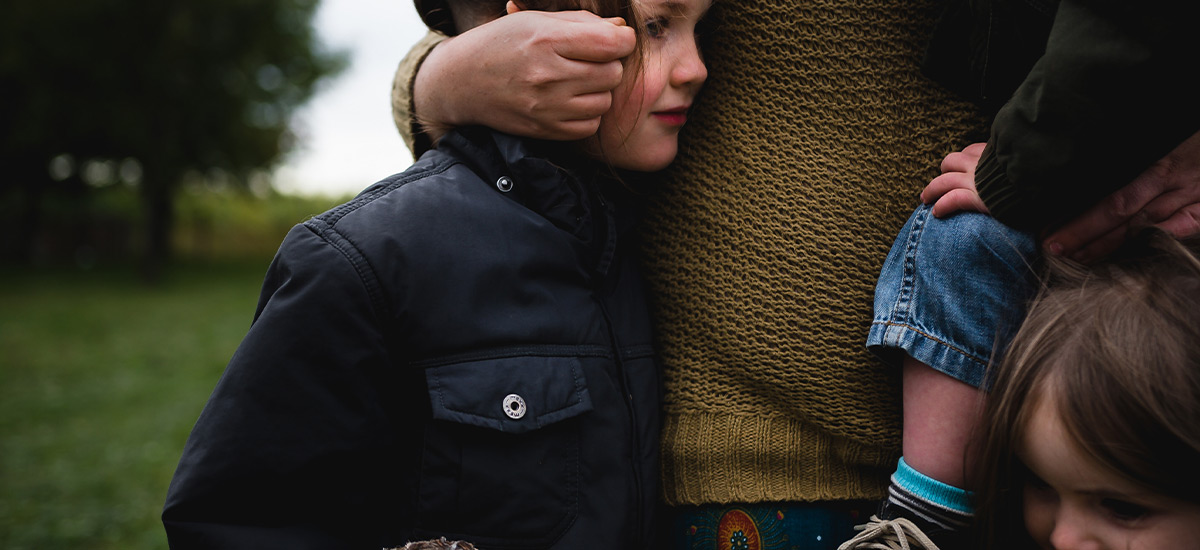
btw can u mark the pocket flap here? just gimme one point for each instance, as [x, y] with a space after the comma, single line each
[510, 394]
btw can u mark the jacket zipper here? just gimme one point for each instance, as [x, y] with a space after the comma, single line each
[635, 439]
[627, 396]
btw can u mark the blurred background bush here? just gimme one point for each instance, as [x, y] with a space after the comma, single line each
[137, 218]
[148, 94]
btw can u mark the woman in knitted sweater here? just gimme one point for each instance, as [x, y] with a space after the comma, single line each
[811, 145]
[812, 139]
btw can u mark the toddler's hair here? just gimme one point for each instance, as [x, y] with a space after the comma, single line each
[447, 16]
[1118, 344]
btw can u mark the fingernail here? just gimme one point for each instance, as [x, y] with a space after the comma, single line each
[1054, 248]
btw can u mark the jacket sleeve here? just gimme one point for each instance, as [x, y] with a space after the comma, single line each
[1110, 96]
[402, 95]
[295, 445]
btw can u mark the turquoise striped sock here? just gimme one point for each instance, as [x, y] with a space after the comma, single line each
[943, 505]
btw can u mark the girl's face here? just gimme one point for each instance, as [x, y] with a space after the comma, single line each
[641, 130]
[1073, 502]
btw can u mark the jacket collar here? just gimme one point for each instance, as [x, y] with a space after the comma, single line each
[521, 169]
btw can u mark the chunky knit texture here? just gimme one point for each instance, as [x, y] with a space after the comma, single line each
[805, 154]
[812, 138]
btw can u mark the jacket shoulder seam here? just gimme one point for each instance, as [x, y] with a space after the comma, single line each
[324, 227]
[385, 186]
[358, 261]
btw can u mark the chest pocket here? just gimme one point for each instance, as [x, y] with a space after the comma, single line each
[501, 463]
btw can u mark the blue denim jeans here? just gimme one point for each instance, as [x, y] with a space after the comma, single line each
[952, 293]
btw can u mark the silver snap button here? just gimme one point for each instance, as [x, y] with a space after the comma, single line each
[514, 406]
[504, 184]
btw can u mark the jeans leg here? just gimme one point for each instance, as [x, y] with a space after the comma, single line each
[952, 292]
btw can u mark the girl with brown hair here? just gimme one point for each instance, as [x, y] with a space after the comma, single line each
[1093, 424]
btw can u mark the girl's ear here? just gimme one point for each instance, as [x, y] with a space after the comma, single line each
[512, 7]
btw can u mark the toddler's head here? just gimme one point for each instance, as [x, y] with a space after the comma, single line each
[453, 17]
[1094, 419]
[641, 130]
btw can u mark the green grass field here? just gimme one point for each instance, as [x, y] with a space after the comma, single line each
[102, 375]
[101, 379]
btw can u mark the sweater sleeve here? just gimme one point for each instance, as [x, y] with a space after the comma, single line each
[296, 445]
[1107, 99]
[402, 95]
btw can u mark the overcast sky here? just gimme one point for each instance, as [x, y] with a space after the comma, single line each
[348, 140]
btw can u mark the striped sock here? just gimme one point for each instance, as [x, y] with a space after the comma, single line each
[939, 504]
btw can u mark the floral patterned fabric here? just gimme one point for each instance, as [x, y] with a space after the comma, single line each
[781, 526]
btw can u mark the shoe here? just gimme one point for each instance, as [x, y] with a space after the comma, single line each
[889, 534]
[439, 544]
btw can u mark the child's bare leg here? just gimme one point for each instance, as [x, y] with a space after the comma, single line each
[949, 294]
[940, 416]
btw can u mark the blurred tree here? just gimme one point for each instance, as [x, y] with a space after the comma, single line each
[147, 91]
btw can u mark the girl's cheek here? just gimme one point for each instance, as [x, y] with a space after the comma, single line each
[1040, 510]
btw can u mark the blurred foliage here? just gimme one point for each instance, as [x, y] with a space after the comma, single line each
[232, 224]
[212, 222]
[148, 92]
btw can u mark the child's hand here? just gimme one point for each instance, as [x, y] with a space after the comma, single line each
[954, 190]
[537, 74]
[1166, 195]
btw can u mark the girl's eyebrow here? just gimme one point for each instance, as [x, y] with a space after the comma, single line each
[1116, 495]
[673, 6]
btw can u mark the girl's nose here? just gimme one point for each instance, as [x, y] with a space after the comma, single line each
[1071, 532]
[689, 69]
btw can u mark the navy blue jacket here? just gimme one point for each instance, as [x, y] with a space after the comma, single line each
[463, 350]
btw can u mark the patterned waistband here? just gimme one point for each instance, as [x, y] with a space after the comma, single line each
[769, 526]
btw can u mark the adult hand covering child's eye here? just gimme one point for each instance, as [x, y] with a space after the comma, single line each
[544, 74]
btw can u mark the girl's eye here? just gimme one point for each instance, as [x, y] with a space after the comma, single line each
[1124, 511]
[656, 27]
[1032, 479]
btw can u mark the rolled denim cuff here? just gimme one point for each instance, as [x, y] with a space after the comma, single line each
[952, 292]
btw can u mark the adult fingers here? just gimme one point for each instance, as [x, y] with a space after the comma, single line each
[592, 38]
[587, 106]
[584, 77]
[1097, 248]
[572, 130]
[1109, 214]
[1184, 223]
[1157, 194]
[576, 118]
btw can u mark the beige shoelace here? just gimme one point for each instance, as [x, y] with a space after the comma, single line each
[893, 534]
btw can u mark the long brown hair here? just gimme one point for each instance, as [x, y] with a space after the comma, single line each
[439, 15]
[1119, 345]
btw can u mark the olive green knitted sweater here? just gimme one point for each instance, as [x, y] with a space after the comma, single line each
[802, 159]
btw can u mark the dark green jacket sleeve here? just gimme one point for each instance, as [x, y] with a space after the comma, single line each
[1113, 92]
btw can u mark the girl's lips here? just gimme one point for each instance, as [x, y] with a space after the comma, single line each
[675, 117]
